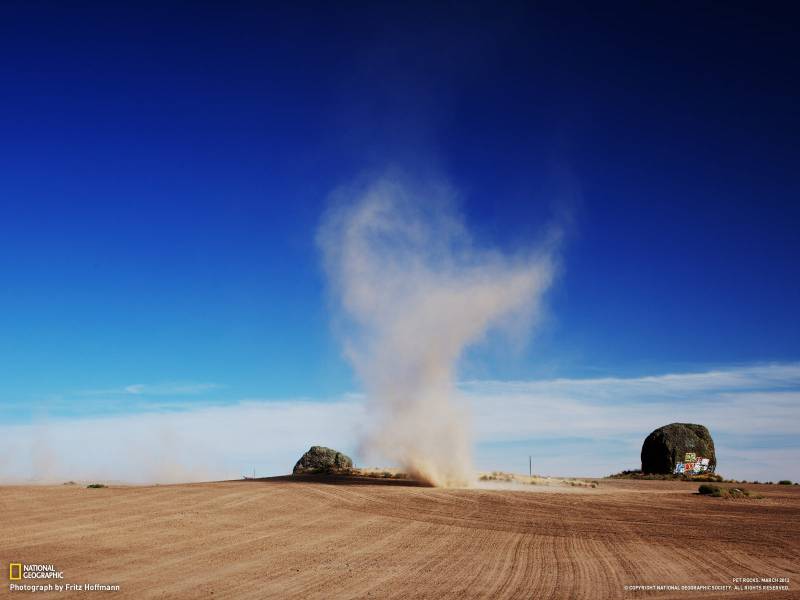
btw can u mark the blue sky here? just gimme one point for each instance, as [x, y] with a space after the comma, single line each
[165, 167]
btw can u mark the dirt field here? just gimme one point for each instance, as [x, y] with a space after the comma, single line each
[280, 539]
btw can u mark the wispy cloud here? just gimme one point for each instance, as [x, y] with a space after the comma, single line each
[154, 389]
[171, 389]
[572, 426]
[775, 376]
[747, 400]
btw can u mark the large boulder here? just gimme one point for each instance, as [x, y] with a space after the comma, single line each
[320, 459]
[667, 446]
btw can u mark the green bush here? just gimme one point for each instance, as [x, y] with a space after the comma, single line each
[784, 482]
[95, 485]
[716, 491]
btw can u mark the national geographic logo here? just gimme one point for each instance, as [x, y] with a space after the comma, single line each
[32, 578]
[19, 571]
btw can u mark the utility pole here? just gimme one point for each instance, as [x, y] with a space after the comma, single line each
[530, 466]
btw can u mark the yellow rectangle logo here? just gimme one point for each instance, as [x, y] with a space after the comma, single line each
[12, 568]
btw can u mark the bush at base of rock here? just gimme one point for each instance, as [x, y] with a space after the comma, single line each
[637, 474]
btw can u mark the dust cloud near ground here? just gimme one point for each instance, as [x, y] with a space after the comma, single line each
[411, 291]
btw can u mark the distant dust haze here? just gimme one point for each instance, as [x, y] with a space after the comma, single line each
[412, 291]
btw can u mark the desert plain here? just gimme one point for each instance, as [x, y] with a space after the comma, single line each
[282, 538]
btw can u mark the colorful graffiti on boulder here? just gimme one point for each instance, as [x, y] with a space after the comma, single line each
[692, 465]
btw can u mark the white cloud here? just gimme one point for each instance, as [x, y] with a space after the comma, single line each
[727, 402]
[776, 376]
[170, 389]
[573, 426]
[154, 389]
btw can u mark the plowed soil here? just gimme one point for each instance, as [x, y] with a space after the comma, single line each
[283, 539]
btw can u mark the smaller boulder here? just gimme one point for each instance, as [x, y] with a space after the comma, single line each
[320, 459]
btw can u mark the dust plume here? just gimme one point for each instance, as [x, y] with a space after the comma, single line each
[412, 292]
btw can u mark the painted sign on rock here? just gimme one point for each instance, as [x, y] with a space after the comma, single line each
[692, 465]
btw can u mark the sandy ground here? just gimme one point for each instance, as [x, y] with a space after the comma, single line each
[281, 539]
